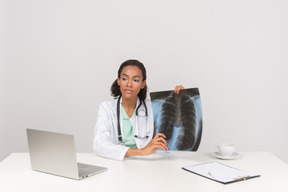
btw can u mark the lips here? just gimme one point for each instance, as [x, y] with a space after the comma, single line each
[128, 91]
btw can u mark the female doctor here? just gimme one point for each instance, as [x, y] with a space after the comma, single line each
[124, 126]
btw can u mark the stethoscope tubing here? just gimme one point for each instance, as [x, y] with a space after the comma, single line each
[118, 116]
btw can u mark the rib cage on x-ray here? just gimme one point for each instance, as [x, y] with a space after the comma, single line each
[179, 117]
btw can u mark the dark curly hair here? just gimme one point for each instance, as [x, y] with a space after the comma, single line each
[115, 88]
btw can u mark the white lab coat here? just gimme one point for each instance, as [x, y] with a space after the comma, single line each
[106, 142]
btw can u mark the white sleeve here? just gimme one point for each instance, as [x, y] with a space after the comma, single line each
[105, 141]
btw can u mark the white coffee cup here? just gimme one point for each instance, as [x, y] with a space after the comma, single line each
[225, 149]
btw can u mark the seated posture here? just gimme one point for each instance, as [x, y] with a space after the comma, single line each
[124, 125]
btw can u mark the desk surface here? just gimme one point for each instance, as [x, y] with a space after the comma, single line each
[158, 172]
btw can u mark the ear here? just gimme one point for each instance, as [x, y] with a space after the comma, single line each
[143, 84]
[118, 82]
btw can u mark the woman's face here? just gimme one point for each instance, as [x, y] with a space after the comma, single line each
[131, 82]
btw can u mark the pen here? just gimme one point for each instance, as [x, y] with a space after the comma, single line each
[242, 178]
[165, 128]
[165, 132]
[212, 176]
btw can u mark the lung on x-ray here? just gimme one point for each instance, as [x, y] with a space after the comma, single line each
[179, 117]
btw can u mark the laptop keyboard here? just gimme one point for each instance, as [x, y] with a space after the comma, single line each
[84, 172]
[88, 170]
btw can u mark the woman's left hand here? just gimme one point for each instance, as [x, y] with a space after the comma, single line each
[157, 142]
[178, 88]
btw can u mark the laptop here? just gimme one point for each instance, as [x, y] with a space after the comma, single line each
[55, 153]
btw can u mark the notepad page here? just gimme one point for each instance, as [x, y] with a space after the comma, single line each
[218, 172]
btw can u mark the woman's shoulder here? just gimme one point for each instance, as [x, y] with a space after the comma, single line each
[109, 105]
[110, 102]
[107, 108]
[148, 100]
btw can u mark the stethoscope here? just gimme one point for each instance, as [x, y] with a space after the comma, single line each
[118, 116]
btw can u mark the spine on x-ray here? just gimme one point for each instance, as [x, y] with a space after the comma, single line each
[179, 111]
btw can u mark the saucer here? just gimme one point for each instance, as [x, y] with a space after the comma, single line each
[233, 156]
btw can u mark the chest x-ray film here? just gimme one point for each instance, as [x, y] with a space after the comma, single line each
[179, 117]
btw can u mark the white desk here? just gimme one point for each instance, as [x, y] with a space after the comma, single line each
[158, 172]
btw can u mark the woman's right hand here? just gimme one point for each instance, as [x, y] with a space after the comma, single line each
[178, 88]
[157, 142]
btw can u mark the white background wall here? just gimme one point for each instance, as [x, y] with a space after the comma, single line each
[59, 57]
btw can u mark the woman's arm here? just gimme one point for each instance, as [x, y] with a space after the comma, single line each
[157, 142]
[105, 142]
[150, 148]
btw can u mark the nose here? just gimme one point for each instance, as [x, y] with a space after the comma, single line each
[129, 83]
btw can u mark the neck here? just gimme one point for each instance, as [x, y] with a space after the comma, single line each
[129, 105]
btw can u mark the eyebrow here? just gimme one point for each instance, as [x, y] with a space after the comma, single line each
[133, 76]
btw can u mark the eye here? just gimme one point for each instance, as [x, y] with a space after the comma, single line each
[124, 78]
[136, 80]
